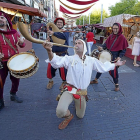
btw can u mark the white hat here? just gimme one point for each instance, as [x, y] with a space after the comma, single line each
[84, 52]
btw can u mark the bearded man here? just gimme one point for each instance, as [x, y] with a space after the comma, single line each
[9, 39]
[79, 70]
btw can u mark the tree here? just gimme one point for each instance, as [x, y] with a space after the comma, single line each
[124, 7]
[136, 9]
[95, 17]
[79, 21]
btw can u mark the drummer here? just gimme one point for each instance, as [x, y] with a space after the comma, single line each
[79, 69]
[116, 43]
[9, 39]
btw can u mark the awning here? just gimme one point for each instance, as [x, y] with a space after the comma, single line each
[108, 22]
[99, 26]
[23, 9]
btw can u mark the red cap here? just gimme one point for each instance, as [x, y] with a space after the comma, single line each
[59, 18]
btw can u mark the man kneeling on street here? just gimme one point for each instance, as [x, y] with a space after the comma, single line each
[79, 70]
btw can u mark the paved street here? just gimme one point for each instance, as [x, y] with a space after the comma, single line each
[109, 115]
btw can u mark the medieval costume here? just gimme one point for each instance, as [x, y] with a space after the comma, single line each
[60, 51]
[116, 44]
[78, 77]
[8, 51]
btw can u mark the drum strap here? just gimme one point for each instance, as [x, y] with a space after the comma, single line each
[0, 47]
[9, 43]
[113, 43]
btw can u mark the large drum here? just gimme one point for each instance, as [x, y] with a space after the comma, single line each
[23, 65]
[103, 56]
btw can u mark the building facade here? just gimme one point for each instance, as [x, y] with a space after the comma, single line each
[45, 6]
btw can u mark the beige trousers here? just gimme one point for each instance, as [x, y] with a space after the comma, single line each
[64, 103]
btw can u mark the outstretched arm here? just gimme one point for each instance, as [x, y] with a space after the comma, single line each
[107, 66]
[48, 47]
[55, 60]
[120, 63]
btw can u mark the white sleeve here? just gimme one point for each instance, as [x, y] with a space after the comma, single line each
[102, 67]
[58, 61]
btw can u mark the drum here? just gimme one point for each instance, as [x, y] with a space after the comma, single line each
[23, 65]
[103, 56]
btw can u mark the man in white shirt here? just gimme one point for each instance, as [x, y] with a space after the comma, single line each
[79, 70]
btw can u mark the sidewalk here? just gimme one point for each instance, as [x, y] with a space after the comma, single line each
[109, 115]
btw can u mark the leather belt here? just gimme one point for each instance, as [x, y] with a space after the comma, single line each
[79, 92]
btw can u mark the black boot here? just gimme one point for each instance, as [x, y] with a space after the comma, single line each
[1, 104]
[15, 98]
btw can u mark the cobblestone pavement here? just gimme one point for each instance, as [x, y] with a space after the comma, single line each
[109, 115]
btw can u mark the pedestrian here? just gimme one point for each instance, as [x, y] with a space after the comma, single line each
[89, 40]
[116, 43]
[60, 51]
[136, 48]
[94, 31]
[78, 35]
[9, 39]
[79, 73]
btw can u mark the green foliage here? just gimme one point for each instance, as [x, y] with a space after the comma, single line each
[125, 7]
[95, 17]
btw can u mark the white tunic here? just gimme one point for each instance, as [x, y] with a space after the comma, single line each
[79, 73]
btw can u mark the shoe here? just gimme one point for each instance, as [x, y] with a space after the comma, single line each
[62, 85]
[136, 65]
[1, 104]
[15, 98]
[94, 82]
[117, 88]
[50, 85]
[64, 123]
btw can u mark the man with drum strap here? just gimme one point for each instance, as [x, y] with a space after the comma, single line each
[116, 43]
[79, 70]
[60, 51]
[9, 39]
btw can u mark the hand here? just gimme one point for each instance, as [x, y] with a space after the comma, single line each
[61, 30]
[120, 63]
[50, 33]
[118, 58]
[1, 55]
[21, 39]
[100, 48]
[48, 46]
[48, 39]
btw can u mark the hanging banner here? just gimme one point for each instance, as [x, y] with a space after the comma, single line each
[69, 17]
[75, 8]
[82, 2]
[62, 9]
